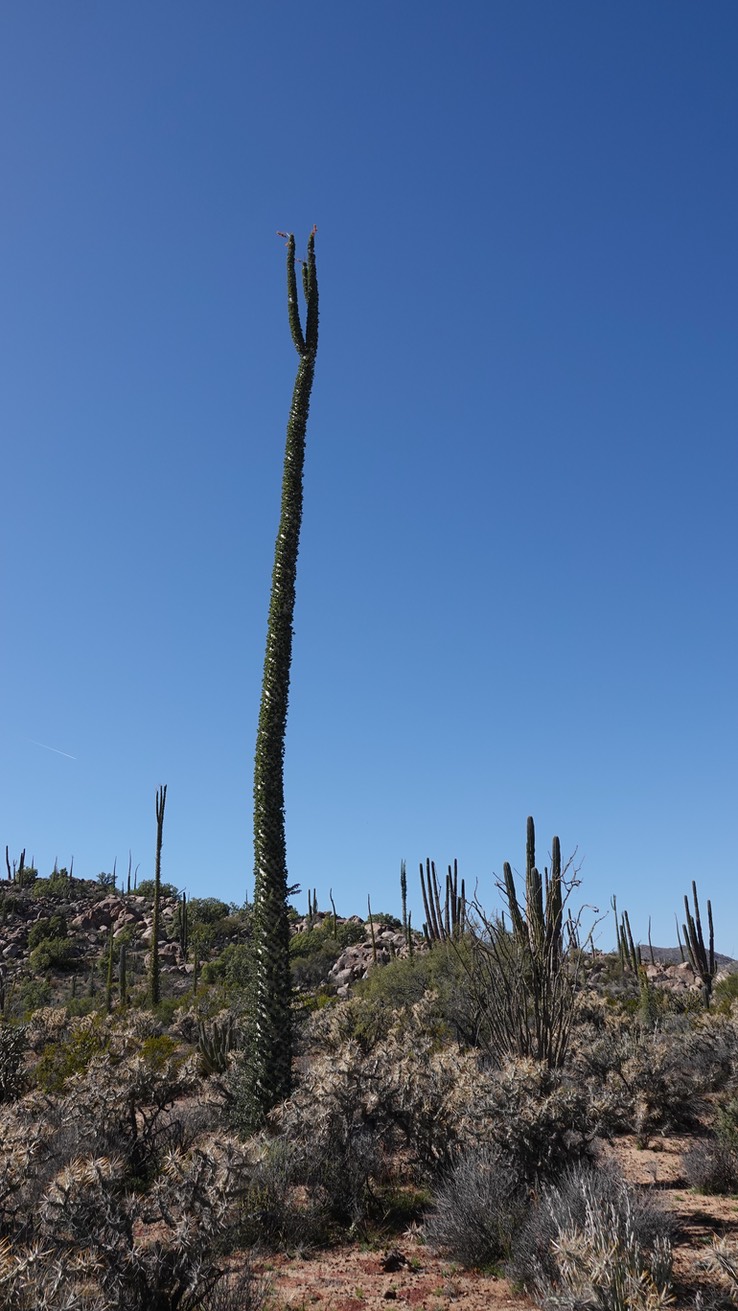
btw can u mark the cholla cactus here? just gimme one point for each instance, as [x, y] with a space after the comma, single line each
[133, 1250]
[13, 1044]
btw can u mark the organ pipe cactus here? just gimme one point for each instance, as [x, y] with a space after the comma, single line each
[701, 958]
[448, 922]
[540, 928]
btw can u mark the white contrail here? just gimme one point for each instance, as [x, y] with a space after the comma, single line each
[46, 747]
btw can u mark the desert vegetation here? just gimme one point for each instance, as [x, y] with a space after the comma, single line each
[473, 1089]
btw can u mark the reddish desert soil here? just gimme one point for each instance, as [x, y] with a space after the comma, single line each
[354, 1278]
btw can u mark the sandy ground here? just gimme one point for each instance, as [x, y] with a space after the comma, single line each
[354, 1278]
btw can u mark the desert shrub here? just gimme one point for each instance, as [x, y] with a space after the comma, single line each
[405, 1093]
[49, 926]
[62, 1060]
[147, 888]
[477, 1209]
[654, 1081]
[725, 993]
[711, 1167]
[29, 996]
[207, 910]
[166, 1009]
[153, 1253]
[275, 1211]
[329, 1144]
[538, 1119]
[80, 1005]
[234, 968]
[52, 953]
[726, 1121]
[122, 1102]
[402, 983]
[245, 1290]
[592, 1242]
[12, 904]
[383, 920]
[314, 951]
[13, 1046]
[56, 886]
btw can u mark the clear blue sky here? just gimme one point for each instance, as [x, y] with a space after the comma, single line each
[516, 587]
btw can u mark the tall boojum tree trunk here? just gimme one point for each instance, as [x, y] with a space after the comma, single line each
[154, 975]
[271, 1069]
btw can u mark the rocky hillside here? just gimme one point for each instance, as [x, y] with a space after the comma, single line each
[55, 937]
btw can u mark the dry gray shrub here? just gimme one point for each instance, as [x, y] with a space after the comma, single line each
[13, 1046]
[125, 1106]
[477, 1210]
[653, 1081]
[407, 1093]
[712, 1167]
[593, 1242]
[538, 1119]
[117, 1250]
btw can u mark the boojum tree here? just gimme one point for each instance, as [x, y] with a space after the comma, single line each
[271, 1057]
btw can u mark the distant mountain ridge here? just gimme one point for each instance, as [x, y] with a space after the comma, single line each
[673, 956]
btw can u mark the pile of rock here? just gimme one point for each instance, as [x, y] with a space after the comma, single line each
[357, 961]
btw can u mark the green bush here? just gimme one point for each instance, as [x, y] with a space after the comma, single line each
[52, 953]
[31, 996]
[443, 972]
[383, 920]
[59, 1061]
[234, 968]
[160, 1052]
[315, 951]
[50, 926]
[147, 888]
[320, 939]
[207, 910]
[26, 877]
[56, 885]
[724, 994]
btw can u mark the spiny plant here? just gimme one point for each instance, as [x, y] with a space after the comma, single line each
[442, 924]
[271, 1063]
[701, 958]
[525, 976]
[154, 983]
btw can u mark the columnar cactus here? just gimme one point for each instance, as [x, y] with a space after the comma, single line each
[701, 958]
[154, 984]
[271, 1058]
[448, 922]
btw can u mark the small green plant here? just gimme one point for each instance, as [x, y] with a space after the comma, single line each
[147, 888]
[49, 926]
[60, 1061]
[725, 993]
[53, 953]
